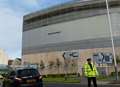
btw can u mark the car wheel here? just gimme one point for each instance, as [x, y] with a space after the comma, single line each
[4, 85]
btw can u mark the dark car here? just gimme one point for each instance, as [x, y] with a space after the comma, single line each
[25, 77]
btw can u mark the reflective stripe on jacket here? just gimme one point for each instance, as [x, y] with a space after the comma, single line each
[90, 72]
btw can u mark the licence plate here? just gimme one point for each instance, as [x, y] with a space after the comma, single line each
[31, 81]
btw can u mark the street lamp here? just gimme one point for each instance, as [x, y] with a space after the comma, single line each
[111, 35]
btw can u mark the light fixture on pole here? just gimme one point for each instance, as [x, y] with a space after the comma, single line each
[111, 35]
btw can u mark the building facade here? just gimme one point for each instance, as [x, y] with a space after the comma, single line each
[3, 57]
[76, 27]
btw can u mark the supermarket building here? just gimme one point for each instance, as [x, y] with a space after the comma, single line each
[75, 26]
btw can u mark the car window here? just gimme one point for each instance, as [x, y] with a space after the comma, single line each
[5, 70]
[27, 72]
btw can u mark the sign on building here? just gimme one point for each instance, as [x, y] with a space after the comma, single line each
[103, 58]
[71, 55]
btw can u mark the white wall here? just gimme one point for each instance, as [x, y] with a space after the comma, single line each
[87, 28]
[3, 57]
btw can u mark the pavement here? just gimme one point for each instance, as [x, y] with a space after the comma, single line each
[80, 85]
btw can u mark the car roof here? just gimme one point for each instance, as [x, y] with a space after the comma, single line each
[24, 68]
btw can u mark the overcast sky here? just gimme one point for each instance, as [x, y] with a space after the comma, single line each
[11, 17]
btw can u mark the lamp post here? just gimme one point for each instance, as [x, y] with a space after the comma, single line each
[111, 35]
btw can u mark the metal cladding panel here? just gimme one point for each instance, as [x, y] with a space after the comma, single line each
[82, 29]
[88, 28]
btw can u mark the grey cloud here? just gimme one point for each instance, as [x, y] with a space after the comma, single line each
[10, 31]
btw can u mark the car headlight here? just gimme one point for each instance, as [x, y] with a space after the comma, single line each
[1, 77]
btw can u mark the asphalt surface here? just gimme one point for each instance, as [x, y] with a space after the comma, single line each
[80, 85]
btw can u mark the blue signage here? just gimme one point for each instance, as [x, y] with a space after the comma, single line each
[103, 58]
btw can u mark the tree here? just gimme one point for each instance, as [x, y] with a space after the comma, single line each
[51, 64]
[17, 61]
[58, 64]
[73, 65]
[42, 65]
[117, 59]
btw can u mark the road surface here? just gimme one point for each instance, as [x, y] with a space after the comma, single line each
[79, 85]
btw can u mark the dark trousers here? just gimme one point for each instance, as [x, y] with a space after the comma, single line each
[94, 81]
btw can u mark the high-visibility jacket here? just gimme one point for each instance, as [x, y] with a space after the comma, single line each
[90, 72]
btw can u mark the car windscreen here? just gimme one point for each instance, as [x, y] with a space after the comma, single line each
[27, 72]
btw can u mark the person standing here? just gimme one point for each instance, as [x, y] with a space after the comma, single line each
[90, 72]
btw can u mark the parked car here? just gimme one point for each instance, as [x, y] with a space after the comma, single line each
[4, 69]
[1, 80]
[24, 77]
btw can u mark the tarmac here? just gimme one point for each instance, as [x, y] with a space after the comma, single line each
[80, 85]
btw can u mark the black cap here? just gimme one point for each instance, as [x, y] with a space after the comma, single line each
[89, 59]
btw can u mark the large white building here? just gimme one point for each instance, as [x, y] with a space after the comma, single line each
[3, 57]
[76, 26]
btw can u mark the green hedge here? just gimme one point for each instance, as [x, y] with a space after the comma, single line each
[113, 73]
[58, 75]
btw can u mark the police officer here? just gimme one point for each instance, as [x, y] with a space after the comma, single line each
[90, 72]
